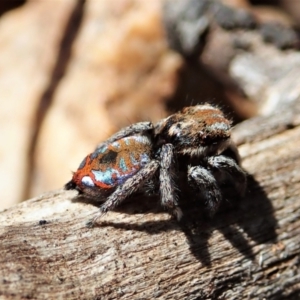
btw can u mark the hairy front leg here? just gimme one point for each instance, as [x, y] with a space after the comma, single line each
[204, 183]
[226, 168]
[166, 179]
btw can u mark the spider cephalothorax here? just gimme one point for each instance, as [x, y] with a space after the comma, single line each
[192, 140]
[196, 130]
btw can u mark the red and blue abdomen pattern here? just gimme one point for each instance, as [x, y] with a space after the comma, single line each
[110, 165]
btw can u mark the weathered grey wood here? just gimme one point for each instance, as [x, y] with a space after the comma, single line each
[138, 252]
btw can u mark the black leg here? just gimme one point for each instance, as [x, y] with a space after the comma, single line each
[130, 186]
[129, 130]
[167, 184]
[226, 168]
[203, 182]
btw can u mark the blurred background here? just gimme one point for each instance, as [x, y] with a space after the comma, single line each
[73, 72]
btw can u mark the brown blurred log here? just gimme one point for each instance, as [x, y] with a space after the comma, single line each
[235, 52]
[250, 250]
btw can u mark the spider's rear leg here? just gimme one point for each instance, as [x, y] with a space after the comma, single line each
[123, 191]
[166, 179]
[204, 183]
[226, 168]
[129, 130]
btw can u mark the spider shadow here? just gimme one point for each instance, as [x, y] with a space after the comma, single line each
[239, 220]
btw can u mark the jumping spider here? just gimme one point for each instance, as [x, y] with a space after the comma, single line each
[194, 140]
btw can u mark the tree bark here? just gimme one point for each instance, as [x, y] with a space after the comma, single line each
[250, 249]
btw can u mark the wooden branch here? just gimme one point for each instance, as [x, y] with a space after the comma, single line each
[250, 56]
[248, 251]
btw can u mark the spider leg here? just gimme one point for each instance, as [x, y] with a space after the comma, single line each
[233, 152]
[202, 181]
[129, 130]
[226, 168]
[130, 186]
[166, 178]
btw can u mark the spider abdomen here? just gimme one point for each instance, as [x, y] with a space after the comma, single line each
[111, 165]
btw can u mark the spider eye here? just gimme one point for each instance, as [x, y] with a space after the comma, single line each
[87, 180]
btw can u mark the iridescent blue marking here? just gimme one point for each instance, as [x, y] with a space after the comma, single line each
[144, 158]
[116, 144]
[81, 166]
[102, 149]
[94, 154]
[123, 165]
[106, 177]
[133, 160]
